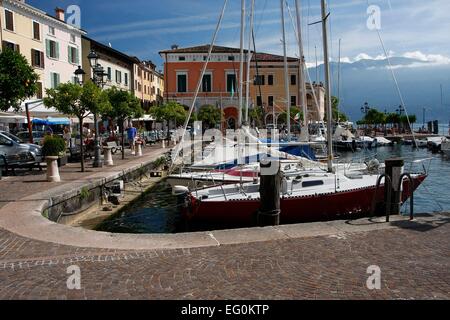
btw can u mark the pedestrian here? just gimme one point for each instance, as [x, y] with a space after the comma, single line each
[67, 136]
[131, 131]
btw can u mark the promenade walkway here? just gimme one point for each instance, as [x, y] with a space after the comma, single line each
[326, 260]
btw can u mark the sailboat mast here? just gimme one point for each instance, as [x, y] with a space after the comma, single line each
[241, 63]
[317, 65]
[286, 75]
[327, 86]
[339, 81]
[249, 60]
[302, 87]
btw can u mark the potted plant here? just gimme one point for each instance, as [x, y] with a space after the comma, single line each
[53, 148]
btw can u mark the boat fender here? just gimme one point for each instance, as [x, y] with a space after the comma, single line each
[284, 186]
[179, 190]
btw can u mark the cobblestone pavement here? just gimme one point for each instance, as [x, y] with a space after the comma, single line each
[28, 182]
[414, 263]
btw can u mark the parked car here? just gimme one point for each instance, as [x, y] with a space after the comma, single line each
[38, 137]
[11, 145]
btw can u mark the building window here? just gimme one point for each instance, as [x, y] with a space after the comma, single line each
[9, 20]
[36, 31]
[259, 101]
[293, 100]
[182, 58]
[207, 83]
[51, 30]
[259, 80]
[72, 38]
[54, 78]
[37, 58]
[39, 90]
[108, 73]
[52, 49]
[10, 45]
[118, 76]
[182, 82]
[73, 54]
[135, 85]
[270, 79]
[293, 80]
[231, 83]
[270, 100]
[230, 58]
[126, 79]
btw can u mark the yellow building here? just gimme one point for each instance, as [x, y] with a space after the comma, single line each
[148, 83]
[157, 87]
[21, 31]
[268, 87]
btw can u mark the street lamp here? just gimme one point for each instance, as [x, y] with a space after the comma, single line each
[365, 109]
[98, 78]
[79, 73]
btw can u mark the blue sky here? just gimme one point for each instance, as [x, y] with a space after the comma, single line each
[412, 28]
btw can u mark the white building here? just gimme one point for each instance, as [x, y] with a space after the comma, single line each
[62, 50]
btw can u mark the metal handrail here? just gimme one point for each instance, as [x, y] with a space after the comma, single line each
[389, 192]
[411, 184]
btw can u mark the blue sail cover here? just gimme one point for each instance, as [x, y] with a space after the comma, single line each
[56, 121]
[38, 121]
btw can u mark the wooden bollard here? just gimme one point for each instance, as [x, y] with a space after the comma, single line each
[394, 169]
[269, 190]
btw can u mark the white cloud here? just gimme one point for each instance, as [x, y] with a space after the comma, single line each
[363, 56]
[432, 58]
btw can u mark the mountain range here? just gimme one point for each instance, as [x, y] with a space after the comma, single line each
[371, 81]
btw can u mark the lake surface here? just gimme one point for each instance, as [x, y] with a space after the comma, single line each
[158, 211]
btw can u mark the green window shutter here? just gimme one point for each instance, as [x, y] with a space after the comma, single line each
[47, 47]
[52, 80]
[58, 80]
[69, 50]
[77, 57]
[57, 49]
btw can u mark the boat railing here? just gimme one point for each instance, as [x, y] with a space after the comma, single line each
[422, 162]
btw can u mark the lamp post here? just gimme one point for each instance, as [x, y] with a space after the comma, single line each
[98, 78]
[365, 109]
[29, 124]
[400, 111]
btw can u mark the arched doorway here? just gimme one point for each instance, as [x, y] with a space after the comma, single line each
[230, 118]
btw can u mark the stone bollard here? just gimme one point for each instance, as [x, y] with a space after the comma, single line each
[52, 169]
[394, 169]
[139, 149]
[269, 190]
[164, 144]
[108, 160]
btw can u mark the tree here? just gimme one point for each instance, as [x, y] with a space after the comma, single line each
[79, 101]
[18, 81]
[404, 120]
[124, 105]
[210, 115]
[171, 111]
[337, 115]
[256, 117]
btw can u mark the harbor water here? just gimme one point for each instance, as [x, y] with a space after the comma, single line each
[158, 212]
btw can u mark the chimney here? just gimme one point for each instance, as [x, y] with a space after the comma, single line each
[174, 47]
[59, 14]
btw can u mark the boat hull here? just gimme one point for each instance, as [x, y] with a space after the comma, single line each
[319, 207]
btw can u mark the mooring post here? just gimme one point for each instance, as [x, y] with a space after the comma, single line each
[269, 190]
[394, 169]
